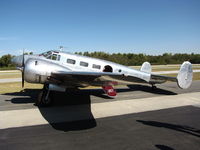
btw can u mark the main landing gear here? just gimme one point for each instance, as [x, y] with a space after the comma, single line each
[44, 97]
[153, 87]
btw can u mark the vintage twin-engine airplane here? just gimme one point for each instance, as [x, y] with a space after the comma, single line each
[59, 70]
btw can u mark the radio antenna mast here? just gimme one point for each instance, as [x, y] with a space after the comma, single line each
[61, 48]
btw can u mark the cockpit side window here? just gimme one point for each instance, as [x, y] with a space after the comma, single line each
[46, 54]
[54, 57]
[48, 57]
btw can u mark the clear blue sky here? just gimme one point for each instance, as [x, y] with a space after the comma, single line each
[139, 26]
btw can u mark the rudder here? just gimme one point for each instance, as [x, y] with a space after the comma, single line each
[146, 67]
[185, 75]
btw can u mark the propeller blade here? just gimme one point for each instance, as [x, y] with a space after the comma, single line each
[23, 59]
[23, 78]
[23, 67]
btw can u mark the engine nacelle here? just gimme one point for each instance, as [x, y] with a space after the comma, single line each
[38, 70]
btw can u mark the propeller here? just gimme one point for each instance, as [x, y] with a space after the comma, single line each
[23, 67]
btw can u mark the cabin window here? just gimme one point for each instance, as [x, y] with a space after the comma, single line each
[96, 66]
[71, 61]
[84, 64]
[58, 58]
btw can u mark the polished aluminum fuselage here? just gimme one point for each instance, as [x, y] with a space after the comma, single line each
[38, 69]
[79, 71]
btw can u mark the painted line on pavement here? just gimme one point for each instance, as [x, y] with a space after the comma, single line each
[11, 80]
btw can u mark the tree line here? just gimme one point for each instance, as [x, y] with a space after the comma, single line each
[129, 59]
[5, 60]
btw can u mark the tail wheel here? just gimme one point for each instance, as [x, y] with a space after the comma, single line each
[44, 97]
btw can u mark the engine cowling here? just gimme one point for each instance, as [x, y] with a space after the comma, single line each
[38, 70]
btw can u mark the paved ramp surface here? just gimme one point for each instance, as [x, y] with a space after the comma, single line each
[139, 118]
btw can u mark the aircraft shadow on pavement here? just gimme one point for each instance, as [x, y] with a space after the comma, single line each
[30, 95]
[72, 110]
[180, 128]
[25, 96]
[146, 88]
[74, 115]
[135, 87]
[163, 147]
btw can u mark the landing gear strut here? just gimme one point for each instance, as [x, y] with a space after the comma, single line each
[153, 87]
[44, 97]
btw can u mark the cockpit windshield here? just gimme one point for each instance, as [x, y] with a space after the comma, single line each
[51, 55]
[46, 54]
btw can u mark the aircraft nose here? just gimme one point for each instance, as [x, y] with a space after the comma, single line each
[17, 60]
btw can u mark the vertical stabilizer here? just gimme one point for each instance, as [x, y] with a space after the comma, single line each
[146, 67]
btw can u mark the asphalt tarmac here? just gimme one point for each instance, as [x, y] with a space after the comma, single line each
[172, 128]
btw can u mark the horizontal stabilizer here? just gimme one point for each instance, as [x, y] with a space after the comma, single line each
[185, 75]
[146, 67]
[183, 79]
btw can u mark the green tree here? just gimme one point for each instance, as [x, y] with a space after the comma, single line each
[5, 60]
